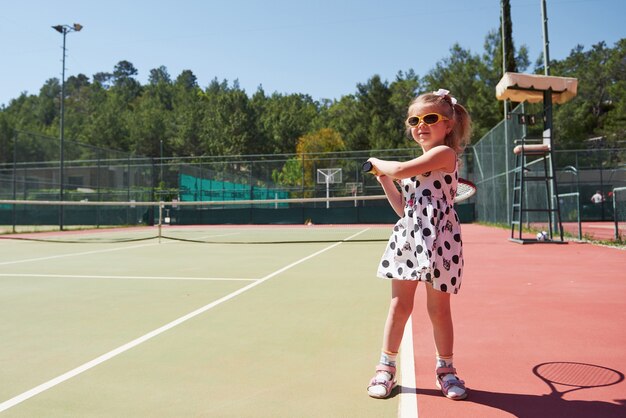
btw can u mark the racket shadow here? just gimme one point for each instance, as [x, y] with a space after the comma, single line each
[534, 406]
[552, 405]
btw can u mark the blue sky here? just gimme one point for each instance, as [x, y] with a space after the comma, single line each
[322, 48]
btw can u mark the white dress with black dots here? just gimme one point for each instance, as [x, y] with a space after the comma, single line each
[426, 242]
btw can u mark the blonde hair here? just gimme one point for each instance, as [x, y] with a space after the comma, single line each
[458, 138]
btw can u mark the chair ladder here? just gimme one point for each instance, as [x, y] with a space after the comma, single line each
[519, 206]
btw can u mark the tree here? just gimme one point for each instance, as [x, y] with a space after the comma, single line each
[48, 104]
[124, 82]
[77, 106]
[6, 143]
[506, 28]
[159, 76]
[151, 126]
[108, 123]
[471, 82]
[160, 87]
[187, 116]
[346, 116]
[598, 108]
[227, 118]
[324, 140]
[301, 170]
[105, 80]
[115, 111]
[187, 80]
[281, 120]
[374, 98]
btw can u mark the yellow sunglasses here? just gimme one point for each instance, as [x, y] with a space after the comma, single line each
[428, 119]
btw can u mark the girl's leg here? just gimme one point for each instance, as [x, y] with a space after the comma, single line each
[400, 308]
[402, 295]
[438, 305]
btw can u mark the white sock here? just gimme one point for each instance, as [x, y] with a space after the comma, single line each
[388, 359]
[445, 362]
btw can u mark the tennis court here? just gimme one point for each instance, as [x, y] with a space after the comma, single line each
[164, 328]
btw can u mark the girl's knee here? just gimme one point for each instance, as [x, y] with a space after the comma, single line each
[401, 307]
[402, 296]
[439, 311]
[438, 304]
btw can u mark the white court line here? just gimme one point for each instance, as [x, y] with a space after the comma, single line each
[213, 235]
[119, 350]
[408, 397]
[52, 257]
[84, 276]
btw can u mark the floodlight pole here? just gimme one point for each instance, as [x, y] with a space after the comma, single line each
[64, 30]
[546, 42]
[506, 113]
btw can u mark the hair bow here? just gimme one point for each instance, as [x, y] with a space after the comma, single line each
[444, 93]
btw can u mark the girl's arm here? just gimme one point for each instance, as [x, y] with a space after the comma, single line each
[438, 158]
[394, 196]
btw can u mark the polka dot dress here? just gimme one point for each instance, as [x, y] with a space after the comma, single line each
[426, 242]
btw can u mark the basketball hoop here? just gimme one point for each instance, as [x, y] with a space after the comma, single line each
[354, 189]
[328, 176]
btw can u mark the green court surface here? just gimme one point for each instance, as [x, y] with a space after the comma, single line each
[194, 329]
[173, 329]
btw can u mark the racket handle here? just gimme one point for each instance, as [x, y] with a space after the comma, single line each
[368, 167]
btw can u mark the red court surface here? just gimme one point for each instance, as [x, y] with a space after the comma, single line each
[521, 306]
[599, 231]
[604, 231]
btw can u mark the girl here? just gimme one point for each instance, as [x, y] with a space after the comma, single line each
[425, 245]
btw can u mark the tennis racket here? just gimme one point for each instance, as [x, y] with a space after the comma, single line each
[465, 188]
[576, 376]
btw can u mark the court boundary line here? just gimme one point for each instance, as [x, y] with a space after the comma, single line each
[85, 276]
[16, 400]
[52, 257]
[408, 389]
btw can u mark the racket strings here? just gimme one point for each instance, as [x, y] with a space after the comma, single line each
[463, 189]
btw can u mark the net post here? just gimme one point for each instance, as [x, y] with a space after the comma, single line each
[160, 219]
[578, 208]
[615, 216]
[615, 211]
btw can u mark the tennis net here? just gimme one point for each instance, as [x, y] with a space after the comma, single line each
[254, 221]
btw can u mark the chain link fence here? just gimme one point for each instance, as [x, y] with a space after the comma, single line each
[31, 171]
[588, 172]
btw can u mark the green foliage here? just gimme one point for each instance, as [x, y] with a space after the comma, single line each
[300, 170]
[506, 27]
[290, 174]
[174, 114]
[472, 82]
[599, 109]
[280, 120]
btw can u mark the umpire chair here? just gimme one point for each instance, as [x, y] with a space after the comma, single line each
[533, 89]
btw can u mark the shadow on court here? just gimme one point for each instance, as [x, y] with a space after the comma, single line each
[533, 406]
[520, 307]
